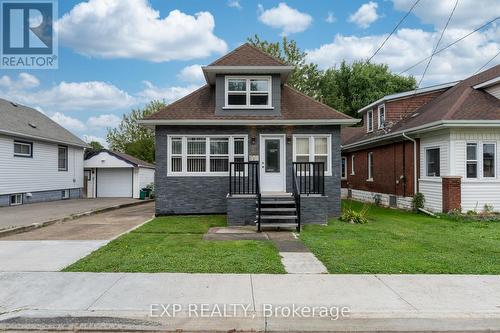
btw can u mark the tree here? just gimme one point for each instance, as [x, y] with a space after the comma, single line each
[351, 86]
[134, 139]
[95, 146]
[306, 76]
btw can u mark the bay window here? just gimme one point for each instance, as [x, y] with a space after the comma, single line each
[433, 163]
[313, 148]
[477, 167]
[250, 92]
[471, 160]
[205, 155]
[489, 160]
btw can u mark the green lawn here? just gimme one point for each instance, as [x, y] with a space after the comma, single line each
[174, 244]
[396, 241]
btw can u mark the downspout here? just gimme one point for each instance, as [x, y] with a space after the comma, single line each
[414, 161]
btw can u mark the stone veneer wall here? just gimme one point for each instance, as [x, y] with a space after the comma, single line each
[366, 196]
[42, 196]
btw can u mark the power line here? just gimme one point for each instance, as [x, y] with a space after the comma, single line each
[394, 30]
[451, 44]
[437, 45]
[486, 64]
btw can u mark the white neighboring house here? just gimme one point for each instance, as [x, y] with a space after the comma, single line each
[39, 159]
[109, 174]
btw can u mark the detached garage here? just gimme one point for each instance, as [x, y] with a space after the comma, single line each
[109, 174]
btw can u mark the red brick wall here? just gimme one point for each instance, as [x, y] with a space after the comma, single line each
[452, 193]
[390, 162]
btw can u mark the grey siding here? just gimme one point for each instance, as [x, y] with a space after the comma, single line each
[220, 99]
[241, 210]
[205, 195]
[42, 196]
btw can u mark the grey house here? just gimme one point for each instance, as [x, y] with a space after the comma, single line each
[248, 145]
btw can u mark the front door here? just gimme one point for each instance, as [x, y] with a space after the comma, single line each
[272, 163]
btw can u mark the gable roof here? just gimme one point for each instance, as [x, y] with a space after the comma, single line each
[199, 108]
[122, 156]
[460, 104]
[22, 121]
[247, 55]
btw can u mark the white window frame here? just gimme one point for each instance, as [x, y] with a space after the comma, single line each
[312, 153]
[248, 92]
[381, 124]
[476, 161]
[426, 169]
[352, 165]
[369, 123]
[66, 166]
[65, 194]
[370, 163]
[18, 202]
[494, 159]
[343, 169]
[480, 160]
[23, 143]
[207, 172]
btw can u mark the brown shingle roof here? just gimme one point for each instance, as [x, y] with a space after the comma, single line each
[461, 102]
[247, 55]
[200, 105]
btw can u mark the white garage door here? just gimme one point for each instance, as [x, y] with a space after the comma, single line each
[114, 183]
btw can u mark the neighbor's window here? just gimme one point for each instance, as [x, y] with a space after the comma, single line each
[23, 149]
[65, 194]
[489, 160]
[205, 155]
[352, 164]
[432, 162]
[471, 160]
[381, 116]
[314, 148]
[16, 199]
[62, 158]
[370, 166]
[344, 167]
[248, 92]
[369, 121]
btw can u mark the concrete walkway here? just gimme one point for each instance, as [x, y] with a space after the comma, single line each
[147, 301]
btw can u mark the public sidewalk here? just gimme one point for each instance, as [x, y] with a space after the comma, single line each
[124, 301]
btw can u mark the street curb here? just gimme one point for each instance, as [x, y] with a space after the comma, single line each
[26, 228]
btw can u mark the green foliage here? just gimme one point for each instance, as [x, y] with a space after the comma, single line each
[350, 87]
[418, 201]
[131, 138]
[95, 146]
[306, 76]
[354, 216]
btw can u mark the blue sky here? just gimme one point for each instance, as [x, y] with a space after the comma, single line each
[118, 54]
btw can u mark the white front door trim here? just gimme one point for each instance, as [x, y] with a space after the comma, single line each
[264, 177]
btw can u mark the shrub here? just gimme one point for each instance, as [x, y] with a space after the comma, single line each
[418, 201]
[352, 216]
[488, 209]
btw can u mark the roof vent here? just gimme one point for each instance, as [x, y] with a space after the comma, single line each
[14, 104]
[415, 114]
[32, 125]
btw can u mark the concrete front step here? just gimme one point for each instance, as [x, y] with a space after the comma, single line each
[283, 202]
[281, 210]
[278, 217]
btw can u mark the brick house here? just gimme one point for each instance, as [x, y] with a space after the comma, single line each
[441, 141]
[248, 145]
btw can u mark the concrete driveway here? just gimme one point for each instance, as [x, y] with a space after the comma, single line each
[56, 246]
[40, 212]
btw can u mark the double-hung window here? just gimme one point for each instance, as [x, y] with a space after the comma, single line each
[381, 116]
[475, 165]
[489, 160]
[369, 121]
[23, 149]
[370, 166]
[352, 164]
[471, 169]
[246, 92]
[313, 148]
[433, 164]
[205, 155]
[62, 158]
[344, 167]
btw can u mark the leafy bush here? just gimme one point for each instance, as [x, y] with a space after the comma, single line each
[418, 201]
[352, 216]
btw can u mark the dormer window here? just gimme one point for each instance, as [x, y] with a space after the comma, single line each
[369, 121]
[381, 116]
[248, 92]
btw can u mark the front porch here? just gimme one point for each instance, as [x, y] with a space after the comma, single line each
[248, 204]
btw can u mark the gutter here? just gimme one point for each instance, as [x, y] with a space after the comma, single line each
[415, 191]
[262, 122]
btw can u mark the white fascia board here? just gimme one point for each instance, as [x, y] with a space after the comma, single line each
[488, 83]
[408, 93]
[210, 71]
[250, 122]
[39, 138]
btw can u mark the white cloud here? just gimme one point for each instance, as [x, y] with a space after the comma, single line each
[89, 138]
[234, 4]
[365, 15]
[193, 74]
[71, 124]
[468, 14]
[24, 81]
[330, 17]
[283, 17]
[104, 121]
[133, 29]
[167, 94]
[408, 46]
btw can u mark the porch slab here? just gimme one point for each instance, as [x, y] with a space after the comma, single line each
[234, 233]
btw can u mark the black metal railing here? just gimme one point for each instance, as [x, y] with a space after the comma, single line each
[244, 178]
[310, 177]
[296, 197]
